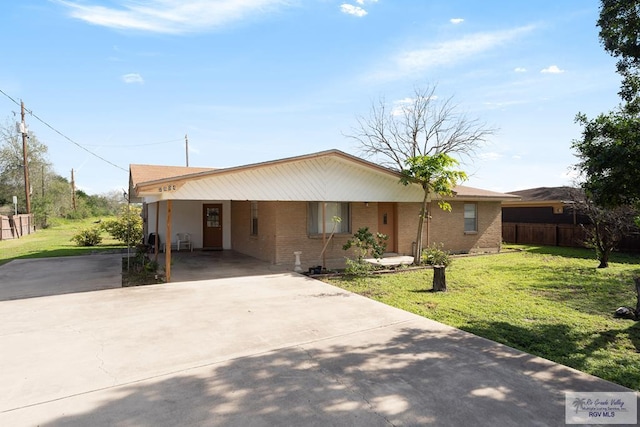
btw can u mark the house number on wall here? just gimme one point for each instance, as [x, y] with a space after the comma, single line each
[170, 187]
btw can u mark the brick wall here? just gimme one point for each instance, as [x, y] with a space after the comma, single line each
[448, 228]
[259, 246]
[282, 230]
[292, 236]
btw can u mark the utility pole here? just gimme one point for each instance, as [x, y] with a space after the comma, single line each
[73, 191]
[25, 163]
[186, 147]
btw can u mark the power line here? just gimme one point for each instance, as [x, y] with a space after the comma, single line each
[133, 145]
[63, 135]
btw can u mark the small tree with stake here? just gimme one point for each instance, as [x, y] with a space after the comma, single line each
[436, 176]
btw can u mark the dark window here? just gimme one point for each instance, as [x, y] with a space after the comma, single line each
[254, 218]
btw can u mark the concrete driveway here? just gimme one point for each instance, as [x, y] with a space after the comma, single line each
[29, 278]
[274, 349]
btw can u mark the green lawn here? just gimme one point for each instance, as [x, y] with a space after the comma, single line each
[547, 301]
[54, 241]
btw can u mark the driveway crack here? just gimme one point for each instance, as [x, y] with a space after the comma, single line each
[98, 354]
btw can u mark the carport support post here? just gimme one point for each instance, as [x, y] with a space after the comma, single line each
[156, 245]
[167, 253]
[324, 234]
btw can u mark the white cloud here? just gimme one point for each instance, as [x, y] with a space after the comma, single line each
[132, 78]
[168, 16]
[520, 70]
[490, 156]
[399, 105]
[456, 20]
[553, 69]
[350, 9]
[358, 11]
[446, 53]
[502, 104]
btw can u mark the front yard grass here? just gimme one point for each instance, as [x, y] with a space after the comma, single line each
[547, 301]
[55, 241]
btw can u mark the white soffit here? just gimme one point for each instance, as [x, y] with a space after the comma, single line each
[323, 178]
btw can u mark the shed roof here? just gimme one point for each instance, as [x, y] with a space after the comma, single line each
[546, 194]
[147, 173]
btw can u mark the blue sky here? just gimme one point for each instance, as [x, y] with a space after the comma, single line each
[258, 80]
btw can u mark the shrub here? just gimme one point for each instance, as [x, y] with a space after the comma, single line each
[127, 227]
[140, 270]
[367, 243]
[88, 237]
[435, 255]
[358, 268]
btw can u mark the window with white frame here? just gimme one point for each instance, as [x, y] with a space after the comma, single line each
[336, 217]
[470, 217]
[254, 218]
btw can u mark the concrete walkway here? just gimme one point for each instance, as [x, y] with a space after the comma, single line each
[273, 349]
[29, 278]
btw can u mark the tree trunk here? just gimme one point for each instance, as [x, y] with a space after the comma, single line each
[637, 280]
[417, 258]
[604, 259]
[439, 278]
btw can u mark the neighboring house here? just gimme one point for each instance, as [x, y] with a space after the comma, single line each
[271, 210]
[550, 205]
[549, 216]
[543, 216]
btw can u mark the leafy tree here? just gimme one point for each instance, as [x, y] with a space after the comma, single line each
[419, 137]
[100, 205]
[609, 153]
[53, 200]
[609, 150]
[11, 164]
[127, 227]
[607, 228]
[436, 176]
[619, 24]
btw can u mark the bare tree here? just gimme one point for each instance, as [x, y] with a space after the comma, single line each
[422, 125]
[418, 137]
[608, 227]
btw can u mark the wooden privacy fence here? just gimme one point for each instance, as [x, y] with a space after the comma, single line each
[15, 226]
[543, 234]
[568, 235]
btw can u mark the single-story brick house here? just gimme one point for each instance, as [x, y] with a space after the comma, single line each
[271, 210]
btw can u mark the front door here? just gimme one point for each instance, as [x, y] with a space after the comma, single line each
[212, 227]
[387, 223]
